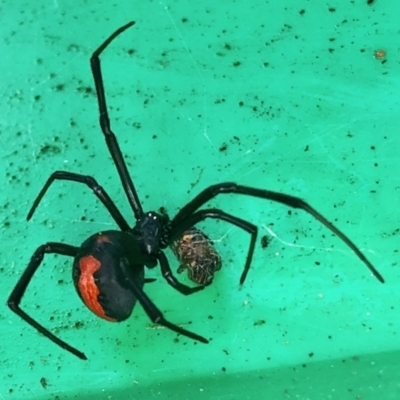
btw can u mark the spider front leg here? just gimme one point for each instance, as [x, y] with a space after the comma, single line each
[171, 280]
[19, 290]
[90, 182]
[291, 201]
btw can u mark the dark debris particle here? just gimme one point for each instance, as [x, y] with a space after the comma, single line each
[79, 325]
[302, 12]
[259, 322]
[369, 2]
[223, 369]
[264, 242]
[306, 148]
[43, 382]
[223, 147]
[310, 355]
[59, 88]
[85, 90]
[49, 149]
[237, 64]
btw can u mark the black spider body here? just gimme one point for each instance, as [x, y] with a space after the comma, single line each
[150, 232]
[108, 268]
[197, 255]
[108, 264]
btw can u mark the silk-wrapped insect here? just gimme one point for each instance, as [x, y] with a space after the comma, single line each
[196, 253]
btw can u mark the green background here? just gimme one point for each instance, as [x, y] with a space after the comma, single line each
[284, 95]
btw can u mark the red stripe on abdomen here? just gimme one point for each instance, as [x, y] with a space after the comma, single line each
[88, 288]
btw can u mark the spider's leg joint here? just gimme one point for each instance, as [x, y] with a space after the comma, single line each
[227, 187]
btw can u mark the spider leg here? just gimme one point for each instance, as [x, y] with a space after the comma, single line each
[19, 290]
[201, 215]
[101, 194]
[109, 136]
[157, 317]
[291, 201]
[169, 277]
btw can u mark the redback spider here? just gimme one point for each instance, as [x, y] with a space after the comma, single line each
[108, 268]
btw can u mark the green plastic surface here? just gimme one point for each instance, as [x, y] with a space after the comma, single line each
[285, 95]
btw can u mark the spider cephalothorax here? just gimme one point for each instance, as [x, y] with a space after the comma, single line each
[149, 230]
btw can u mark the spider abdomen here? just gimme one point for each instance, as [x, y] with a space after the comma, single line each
[104, 271]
